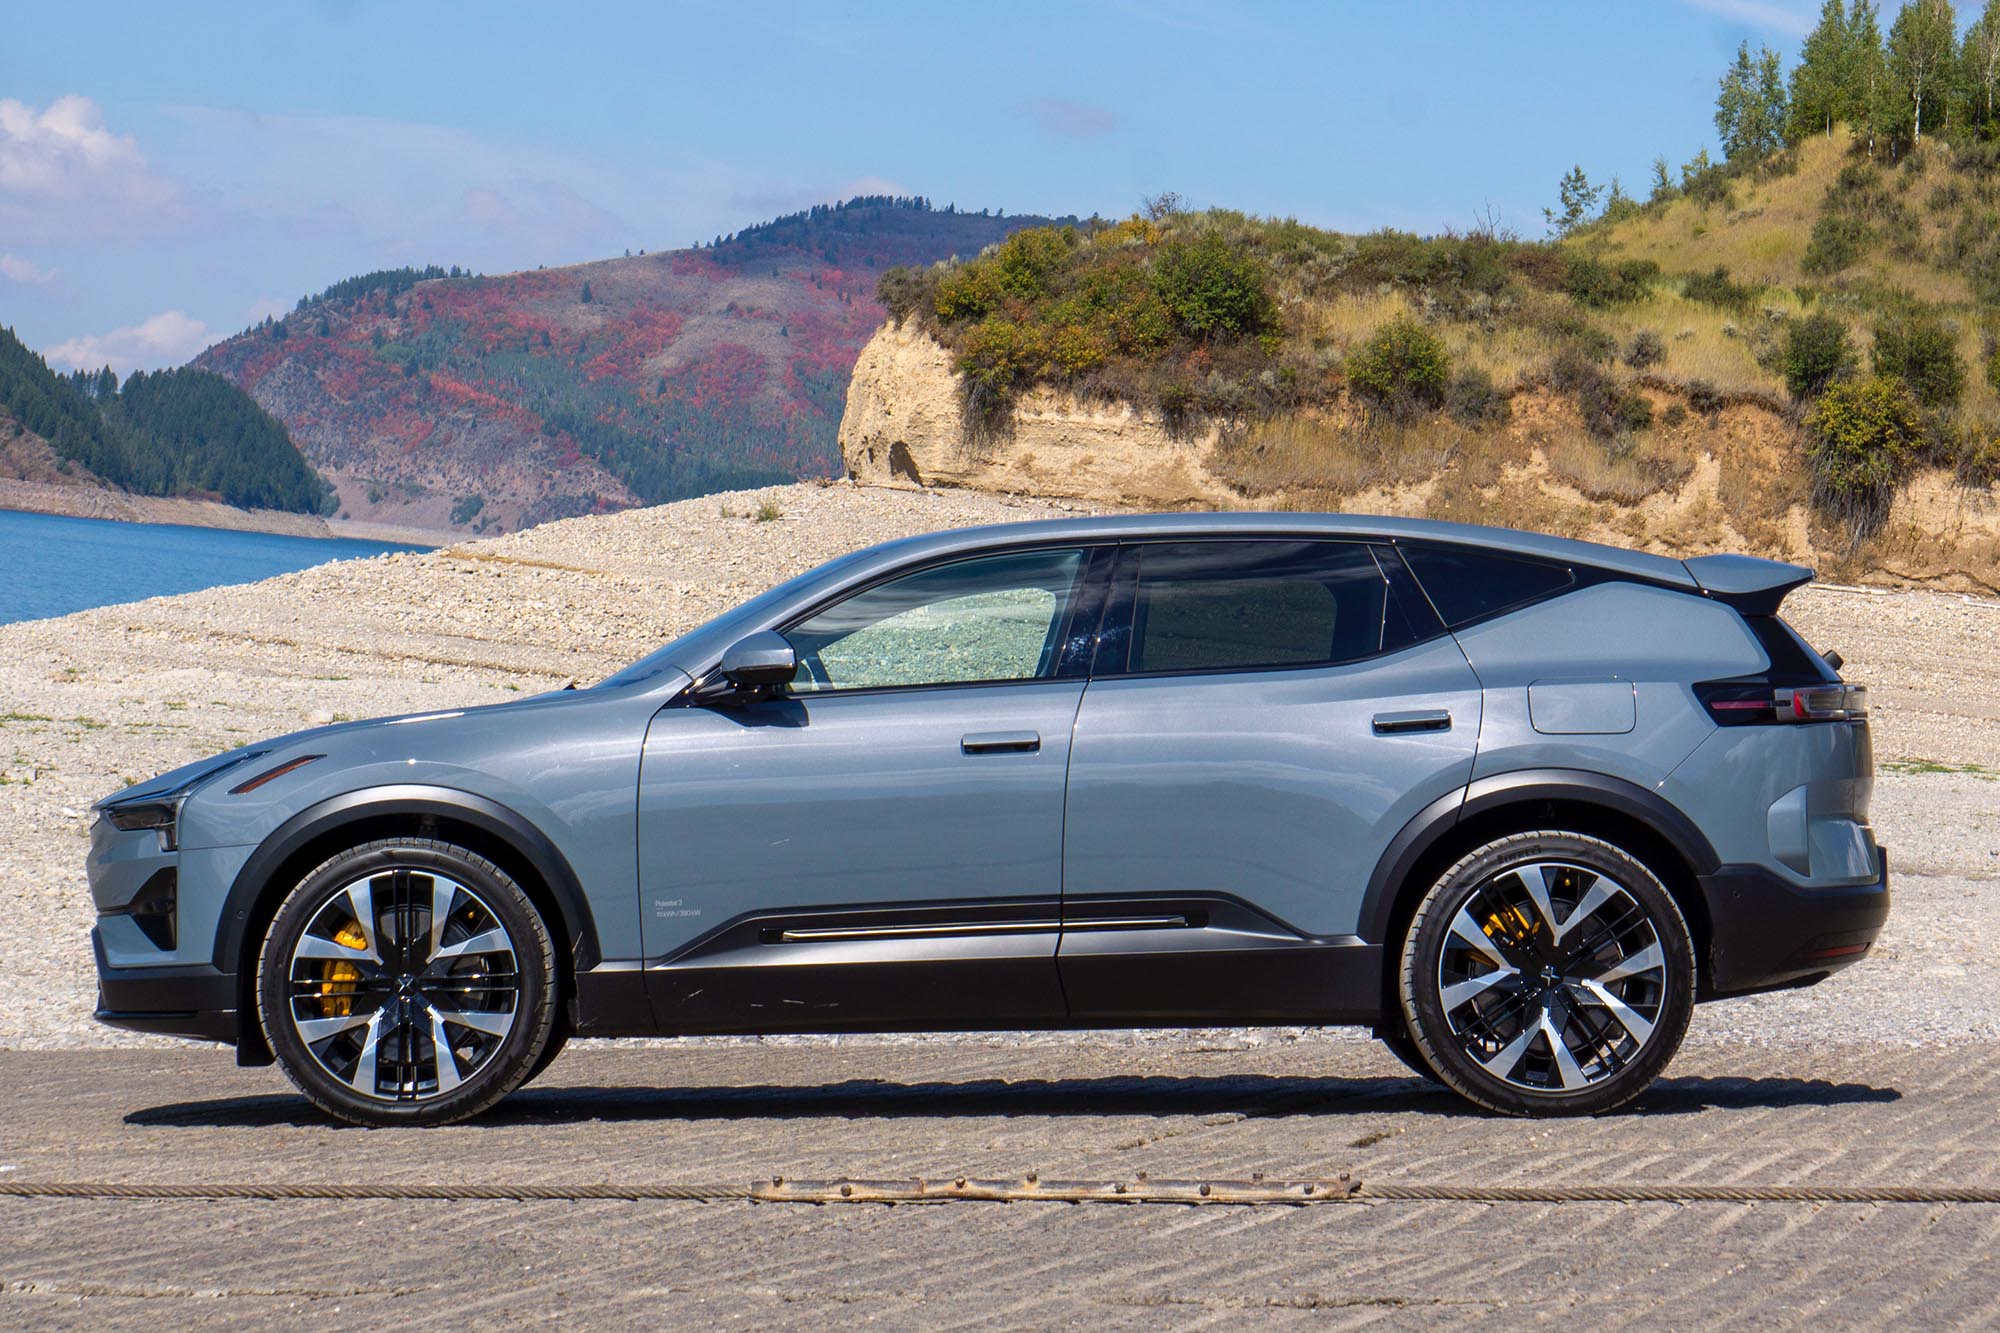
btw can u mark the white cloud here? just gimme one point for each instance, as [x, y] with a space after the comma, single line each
[274, 307]
[167, 339]
[16, 269]
[1787, 19]
[65, 177]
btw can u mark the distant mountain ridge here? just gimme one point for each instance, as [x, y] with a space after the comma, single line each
[436, 398]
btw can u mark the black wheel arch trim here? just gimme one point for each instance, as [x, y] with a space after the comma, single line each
[253, 881]
[1521, 787]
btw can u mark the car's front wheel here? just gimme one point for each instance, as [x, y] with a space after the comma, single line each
[1548, 973]
[407, 982]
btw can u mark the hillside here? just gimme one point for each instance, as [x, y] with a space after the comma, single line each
[183, 433]
[1615, 385]
[436, 399]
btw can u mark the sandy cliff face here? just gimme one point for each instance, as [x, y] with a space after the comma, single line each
[903, 427]
[1738, 487]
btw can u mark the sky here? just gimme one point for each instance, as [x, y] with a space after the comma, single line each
[172, 174]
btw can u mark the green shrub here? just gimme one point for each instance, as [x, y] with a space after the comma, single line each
[1922, 351]
[1977, 465]
[467, 508]
[1705, 398]
[1646, 349]
[1860, 440]
[1715, 288]
[1472, 398]
[901, 291]
[998, 357]
[1816, 353]
[1594, 283]
[1212, 287]
[966, 294]
[1674, 416]
[1991, 349]
[1838, 240]
[1026, 265]
[1402, 366]
[1608, 409]
[1578, 334]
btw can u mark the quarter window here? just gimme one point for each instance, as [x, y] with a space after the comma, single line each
[994, 618]
[1467, 585]
[1220, 606]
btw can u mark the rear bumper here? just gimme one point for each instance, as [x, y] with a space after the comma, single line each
[1767, 933]
[178, 1000]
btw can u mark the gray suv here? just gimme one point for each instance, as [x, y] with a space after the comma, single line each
[1514, 802]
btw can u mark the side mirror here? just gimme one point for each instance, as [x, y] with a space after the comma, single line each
[760, 661]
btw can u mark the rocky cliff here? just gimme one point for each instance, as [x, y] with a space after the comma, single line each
[1734, 480]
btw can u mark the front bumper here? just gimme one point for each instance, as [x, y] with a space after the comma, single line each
[173, 1000]
[1767, 933]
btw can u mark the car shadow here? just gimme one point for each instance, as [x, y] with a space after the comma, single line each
[1159, 1096]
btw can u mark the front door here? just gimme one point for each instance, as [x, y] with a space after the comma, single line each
[1263, 718]
[881, 846]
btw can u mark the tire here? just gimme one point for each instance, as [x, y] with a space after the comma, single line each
[354, 1012]
[1404, 1048]
[1548, 973]
[558, 1038]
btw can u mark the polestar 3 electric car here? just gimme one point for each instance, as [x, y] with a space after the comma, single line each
[1514, 802]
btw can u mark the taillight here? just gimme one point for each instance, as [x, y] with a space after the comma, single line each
[1743, 703]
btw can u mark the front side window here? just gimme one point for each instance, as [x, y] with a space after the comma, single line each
[993, 618]
[1220, 606]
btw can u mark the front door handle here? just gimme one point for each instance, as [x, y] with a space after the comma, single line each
[1422, 719]
[1001, 742]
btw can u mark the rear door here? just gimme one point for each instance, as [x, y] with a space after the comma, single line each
[1262, 718]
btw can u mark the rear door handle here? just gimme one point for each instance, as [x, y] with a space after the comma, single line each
[1001, 742]
[1423, 719]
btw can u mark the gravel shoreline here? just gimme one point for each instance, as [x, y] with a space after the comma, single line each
[104, 697]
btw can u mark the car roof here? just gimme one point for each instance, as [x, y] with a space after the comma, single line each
[1632, 564]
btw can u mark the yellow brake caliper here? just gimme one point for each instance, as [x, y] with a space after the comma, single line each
[1510, 924]
[341, 980]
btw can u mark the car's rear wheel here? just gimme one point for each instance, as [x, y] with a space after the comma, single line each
[1548, 973]
[407, 982]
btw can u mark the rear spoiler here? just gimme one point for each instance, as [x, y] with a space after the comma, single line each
[1750, 585]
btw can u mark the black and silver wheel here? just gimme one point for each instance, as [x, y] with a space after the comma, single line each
[1548, 973]
[407, 982]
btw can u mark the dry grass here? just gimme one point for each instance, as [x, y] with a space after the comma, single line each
[1625, 471]
[1343, 452]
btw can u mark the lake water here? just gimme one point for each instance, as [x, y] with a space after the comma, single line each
[51, 566]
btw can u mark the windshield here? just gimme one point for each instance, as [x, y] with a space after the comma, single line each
[693, 650]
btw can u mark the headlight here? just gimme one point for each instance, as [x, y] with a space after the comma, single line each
[161, 810]
[162, 815]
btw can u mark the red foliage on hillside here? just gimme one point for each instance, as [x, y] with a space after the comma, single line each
[684, 372]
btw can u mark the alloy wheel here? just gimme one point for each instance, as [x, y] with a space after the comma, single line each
[1551, 976]
[403, 985]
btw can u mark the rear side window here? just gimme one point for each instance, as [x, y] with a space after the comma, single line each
[1221, 606]
[1467, 585]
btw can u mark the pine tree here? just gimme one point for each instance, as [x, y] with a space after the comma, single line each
[1664, 189]
[587, 297]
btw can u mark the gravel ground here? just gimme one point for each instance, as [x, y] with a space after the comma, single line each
[105, 697]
